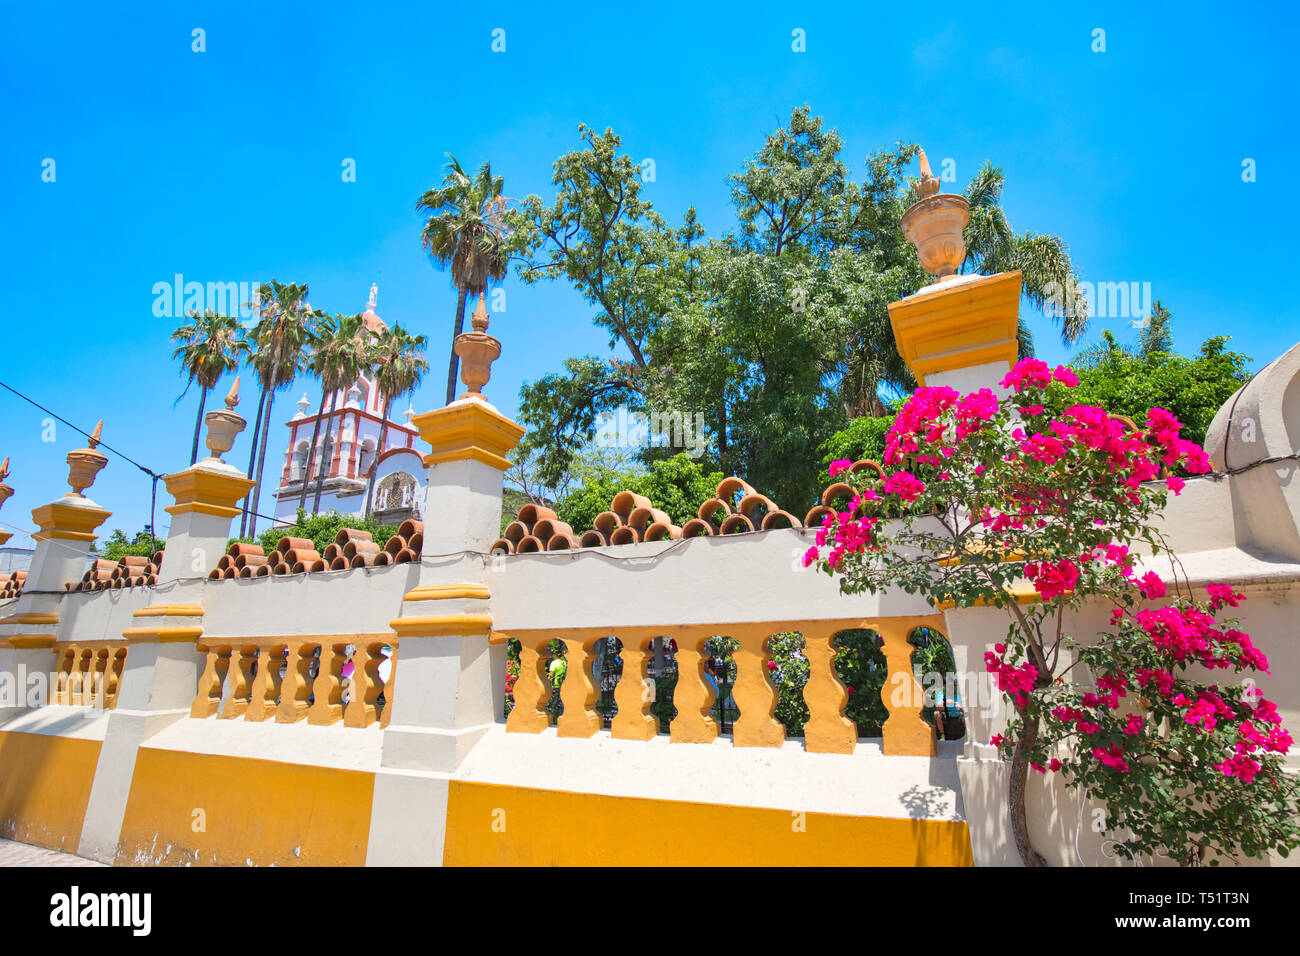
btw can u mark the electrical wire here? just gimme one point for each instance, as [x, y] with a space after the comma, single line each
[153, 475]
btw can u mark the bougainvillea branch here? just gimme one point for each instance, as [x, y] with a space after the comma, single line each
[1039, 505]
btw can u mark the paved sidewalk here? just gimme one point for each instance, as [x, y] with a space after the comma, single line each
[22, 854]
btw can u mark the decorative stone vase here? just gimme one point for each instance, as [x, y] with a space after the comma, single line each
[934, 225]
[477, 351]
[83, 465]
[223, 426]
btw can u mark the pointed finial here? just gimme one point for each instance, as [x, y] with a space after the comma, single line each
[929, 183]
[480, 318]
[4, 469]
[233, 398]
[96, 435]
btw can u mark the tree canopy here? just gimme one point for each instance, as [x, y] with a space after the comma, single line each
[777, 332]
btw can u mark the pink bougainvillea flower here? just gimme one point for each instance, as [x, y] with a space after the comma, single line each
[1052, 579]
[1065, 375]
[1221, 594]
[809, 557]
[839, 467]
[1028, 373]
[1151, 585]
[996, 740]
[1112, 756]
[1239, 765]
[1054, 765]
[904, 484]
[1175, 484]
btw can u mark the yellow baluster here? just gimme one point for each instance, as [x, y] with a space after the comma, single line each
[754, 693]
[266, 688]
[241, 673]
[633, 720]
[905, 733]
[328, 688]
[208, 699]
[113, 679]
[693, 698]
[361, 710]
[827, 729]
[296, 688]
[579, 692]
[532, 689]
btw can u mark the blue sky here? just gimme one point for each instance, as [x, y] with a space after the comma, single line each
[226, 165]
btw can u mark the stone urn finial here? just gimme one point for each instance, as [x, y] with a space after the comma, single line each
[5, 490]
[934, 225]
[85, 463]
[477, 351]
[224, 424]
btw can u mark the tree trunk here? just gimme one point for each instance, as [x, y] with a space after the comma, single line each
[379, 450]
[198, 424]
[722, 436]
[331, 446]
[1016, 794]
[261, 465]
[252, 460]
[454, 364]
[311, 451]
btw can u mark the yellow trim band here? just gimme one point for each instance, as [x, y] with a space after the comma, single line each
[30, 641]
[31, 617]
[170, 610]
[162, 635]
[441, 625]
[444, 592]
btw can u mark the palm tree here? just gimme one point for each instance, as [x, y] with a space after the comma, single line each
[344, 357]
[210, 346]
[323, 333]
[466, 230]
[278, 340]
[401, 364]
[1047, 273]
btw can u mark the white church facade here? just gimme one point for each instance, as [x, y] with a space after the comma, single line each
[347, 451]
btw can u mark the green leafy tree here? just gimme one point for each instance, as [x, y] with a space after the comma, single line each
[676, 486]
[777, 332]
[1193, 387]
[118, 546]
[861, 438]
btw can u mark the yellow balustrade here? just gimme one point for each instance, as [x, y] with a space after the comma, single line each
[270, 678]
[827, 730]
[88, 673]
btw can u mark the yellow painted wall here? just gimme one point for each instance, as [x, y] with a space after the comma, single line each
[497, 825]
[259, 810]
[44, 787]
